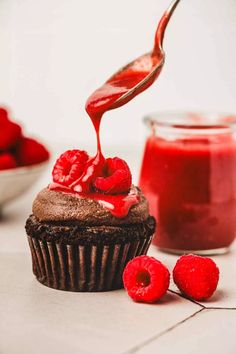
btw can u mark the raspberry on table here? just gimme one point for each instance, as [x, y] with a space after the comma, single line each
[146, 279]
[31, 152]
[117, 177]
[69, 167]
[196, 277]
[7, 161]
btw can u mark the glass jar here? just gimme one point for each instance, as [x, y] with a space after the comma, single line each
[188, 175]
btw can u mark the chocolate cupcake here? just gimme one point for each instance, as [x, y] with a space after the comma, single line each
[82, 241]
[78, 245]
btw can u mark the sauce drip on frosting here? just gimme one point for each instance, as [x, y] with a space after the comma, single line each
[102, 100]
[118, 204]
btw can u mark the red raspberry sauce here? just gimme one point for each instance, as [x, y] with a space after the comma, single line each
[103, 100]
[191, 188]
[118, 205]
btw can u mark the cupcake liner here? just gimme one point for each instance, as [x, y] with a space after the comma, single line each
[83, 267]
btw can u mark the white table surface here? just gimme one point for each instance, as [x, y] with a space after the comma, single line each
[35, 319]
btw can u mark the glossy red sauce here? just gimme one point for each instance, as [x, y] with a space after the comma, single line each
[113, 94]
[191, 188]
[118, 205]
[104, 99]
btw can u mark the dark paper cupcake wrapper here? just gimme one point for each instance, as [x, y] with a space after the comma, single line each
[83, 267]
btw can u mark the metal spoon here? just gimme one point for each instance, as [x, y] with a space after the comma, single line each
[151, 62]
[132, 79]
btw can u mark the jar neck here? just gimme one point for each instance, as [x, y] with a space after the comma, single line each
[191, 126]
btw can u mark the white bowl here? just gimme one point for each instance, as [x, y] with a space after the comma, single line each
[17, 181]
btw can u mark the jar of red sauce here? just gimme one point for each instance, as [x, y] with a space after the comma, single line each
[188, 175]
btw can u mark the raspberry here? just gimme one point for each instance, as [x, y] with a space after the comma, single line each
[196, 277]
[7, 161]
[69, 167]
[3, 116]
[93, 168]
[31, 152]
[117, 178]
[146, 279]
[10, 133]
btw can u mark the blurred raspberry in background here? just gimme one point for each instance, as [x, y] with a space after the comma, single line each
[15, 148]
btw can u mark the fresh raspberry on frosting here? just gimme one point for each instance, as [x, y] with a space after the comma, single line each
[117, 177]
[93, 168]
[31, 152]
[146, 279]
[7, 161]
[76, 171]
[196, 277]
[69, 167]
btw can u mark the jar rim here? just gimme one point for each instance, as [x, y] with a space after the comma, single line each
[201, 122]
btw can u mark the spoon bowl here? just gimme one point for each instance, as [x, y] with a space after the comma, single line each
[149, 65]
[132, 79]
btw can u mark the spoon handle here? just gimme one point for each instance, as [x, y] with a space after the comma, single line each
[160, 32]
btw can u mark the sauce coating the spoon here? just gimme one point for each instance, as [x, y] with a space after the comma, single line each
[131, 80]
[137, 76]
[117, 91]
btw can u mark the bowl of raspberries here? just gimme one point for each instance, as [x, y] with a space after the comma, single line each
[22, 159]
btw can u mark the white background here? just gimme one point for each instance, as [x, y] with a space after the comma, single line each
[54, 53]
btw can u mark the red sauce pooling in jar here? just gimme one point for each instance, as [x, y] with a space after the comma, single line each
[191, 187]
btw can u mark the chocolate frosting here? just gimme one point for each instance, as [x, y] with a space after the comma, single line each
[53, 206]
